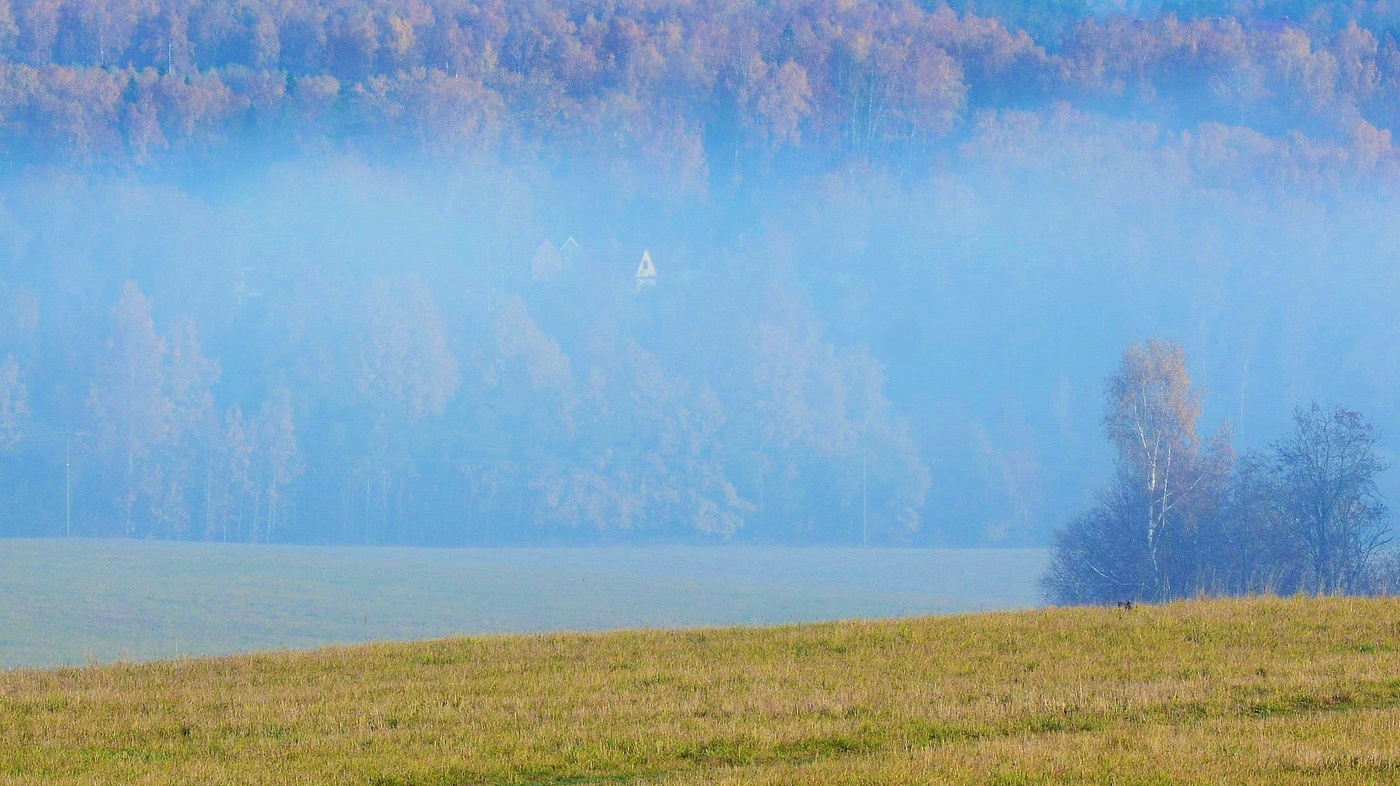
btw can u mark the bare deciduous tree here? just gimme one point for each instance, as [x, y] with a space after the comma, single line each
[1250, 545]
[1329, 465]
[1102, 555]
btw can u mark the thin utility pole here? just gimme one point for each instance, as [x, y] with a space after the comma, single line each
[67, 486]
[1244, 382]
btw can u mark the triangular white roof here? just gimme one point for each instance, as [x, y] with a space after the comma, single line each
[547, 263]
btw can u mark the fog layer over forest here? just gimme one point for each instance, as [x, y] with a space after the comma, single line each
[368, 273]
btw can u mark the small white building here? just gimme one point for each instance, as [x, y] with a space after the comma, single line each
[646, 271]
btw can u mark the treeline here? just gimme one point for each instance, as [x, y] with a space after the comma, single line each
[694, 89]
[161, 458]
[1185, 516]
[410, 427]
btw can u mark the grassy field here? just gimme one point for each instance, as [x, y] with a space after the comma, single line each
[1259, 691]
[80, 601]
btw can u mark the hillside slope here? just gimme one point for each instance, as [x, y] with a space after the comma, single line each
[1260, 691]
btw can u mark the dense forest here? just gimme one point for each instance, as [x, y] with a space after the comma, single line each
[699, 91]
[368, 272]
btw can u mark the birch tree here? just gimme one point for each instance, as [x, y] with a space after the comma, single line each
[189, 379]
[1151, 416]
[1141, 540]
[128, 400]
[278, 462]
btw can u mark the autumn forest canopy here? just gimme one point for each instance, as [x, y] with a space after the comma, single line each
[371, 271]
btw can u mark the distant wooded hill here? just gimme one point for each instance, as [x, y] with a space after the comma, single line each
[692, 89]
[303, 271]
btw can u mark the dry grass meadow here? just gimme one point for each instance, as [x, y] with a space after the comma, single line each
[1268, 691]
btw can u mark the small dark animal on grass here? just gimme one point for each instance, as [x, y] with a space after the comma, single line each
[1125, 604]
